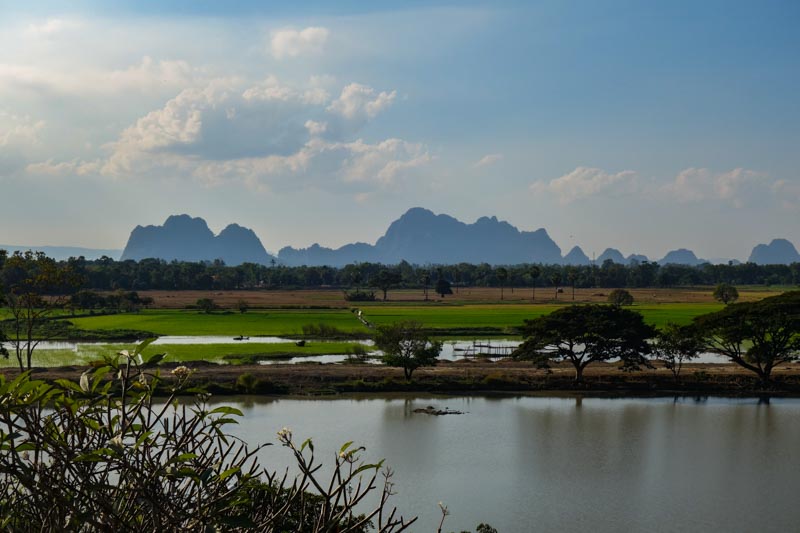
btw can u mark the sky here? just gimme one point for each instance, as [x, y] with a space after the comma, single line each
[643, 126]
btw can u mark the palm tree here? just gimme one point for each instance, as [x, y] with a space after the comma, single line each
[555, 279]
[426, 281]
[502, 275]
[534, 272]
[572, 276]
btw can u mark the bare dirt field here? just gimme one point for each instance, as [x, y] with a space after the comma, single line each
[466, 295]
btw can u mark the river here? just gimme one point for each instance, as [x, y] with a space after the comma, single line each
[563, 464]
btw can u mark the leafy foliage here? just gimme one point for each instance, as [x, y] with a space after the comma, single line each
[725, 293]
[406, 345]
[102, 455]
[755, 335]
[676, 345]
[620, 297]
[583, 334]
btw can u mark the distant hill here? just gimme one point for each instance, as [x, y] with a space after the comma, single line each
[778, 252]
[681, 256]
[420, 237]
[612, 254]
[61, 253]
[184, 238]
[576, 257]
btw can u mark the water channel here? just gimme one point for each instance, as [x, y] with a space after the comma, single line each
[564, 464]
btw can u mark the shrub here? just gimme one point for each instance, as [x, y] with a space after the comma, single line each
[620, 297]
[359, 296]
[103, 455]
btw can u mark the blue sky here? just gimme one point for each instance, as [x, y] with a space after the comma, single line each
[644, 126]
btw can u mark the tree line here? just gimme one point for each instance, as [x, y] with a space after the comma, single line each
[106, 274]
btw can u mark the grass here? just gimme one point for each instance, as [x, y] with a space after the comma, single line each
[86, 353]
[500, 317]
[256, 323]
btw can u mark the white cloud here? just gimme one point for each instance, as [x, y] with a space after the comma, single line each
[147, 75]
[316, 128]
[359, 102]
[701, 184]
[292, 43]
[51, 27]
[16, 130]
[488, 159]
[266, 136]
[584, 181]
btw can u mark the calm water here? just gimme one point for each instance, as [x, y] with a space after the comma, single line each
[553, 464]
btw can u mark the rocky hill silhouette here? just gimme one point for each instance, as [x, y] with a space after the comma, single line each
[184, 238]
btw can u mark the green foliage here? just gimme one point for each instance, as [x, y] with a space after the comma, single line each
[246, 382]
[676, 345]
[406, 345]
[620, 297]
[359, 296]
[583, 334]
[726, 293]
[242, 306]
[755, 335]
[385, 280]
[102, 455]
[443, 287]
[206, 305]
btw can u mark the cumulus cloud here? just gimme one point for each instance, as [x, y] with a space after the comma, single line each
[266, 135]
[292, 43]
[19, 130]
[584, 182]
[702, 184]
[360, 102]
[51, 27]
[488, 159]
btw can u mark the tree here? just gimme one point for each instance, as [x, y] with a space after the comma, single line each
[36, 286]
[501, 274]
[534, 273]
[443, 287]
[584, 334]
[555, 280]
[755, 335]
[206, 305]
[620, 297]
[425, 279]
[407, 346]
[385, 280]
[242, 306]
[572, 276]
[725, 293]
[676, 345]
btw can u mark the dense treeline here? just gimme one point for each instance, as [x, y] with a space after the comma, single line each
[107, 274]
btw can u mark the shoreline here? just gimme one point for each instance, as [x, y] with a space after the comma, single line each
[462, 378]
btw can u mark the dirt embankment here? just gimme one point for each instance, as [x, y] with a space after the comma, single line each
[469, 377]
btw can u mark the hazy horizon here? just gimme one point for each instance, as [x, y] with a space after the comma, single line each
[643, 128]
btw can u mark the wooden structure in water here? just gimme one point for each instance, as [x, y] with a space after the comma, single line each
[478, 349]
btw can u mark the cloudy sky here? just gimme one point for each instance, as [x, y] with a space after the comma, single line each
[645, 126]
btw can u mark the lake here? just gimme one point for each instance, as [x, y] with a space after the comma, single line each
[563, 464]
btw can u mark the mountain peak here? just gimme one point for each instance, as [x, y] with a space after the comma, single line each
[185, 238]
[777, 252]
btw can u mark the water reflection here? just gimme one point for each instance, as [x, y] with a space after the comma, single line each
[566, 464]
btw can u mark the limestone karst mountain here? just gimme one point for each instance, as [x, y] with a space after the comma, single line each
[184, 238]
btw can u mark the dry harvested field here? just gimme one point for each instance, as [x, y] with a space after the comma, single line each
[469, 295]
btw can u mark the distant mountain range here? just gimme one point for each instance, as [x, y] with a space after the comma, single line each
[419, 236]
[184, 238]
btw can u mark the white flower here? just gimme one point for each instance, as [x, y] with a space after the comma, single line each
[180, 371]
[84, 382]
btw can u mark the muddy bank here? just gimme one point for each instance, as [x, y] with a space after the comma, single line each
[467, 377]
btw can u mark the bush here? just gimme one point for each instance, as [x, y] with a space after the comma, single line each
[359, 296]
[102, 455]
[620, 297]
